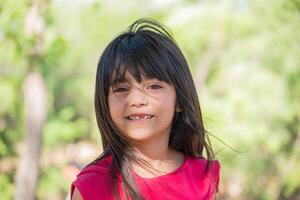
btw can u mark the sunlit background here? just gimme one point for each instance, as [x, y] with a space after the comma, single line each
[244, 56]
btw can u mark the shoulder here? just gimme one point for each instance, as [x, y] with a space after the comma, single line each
[93, 180]
[209, 171]
[203, 161]
[202, 165]
[95, 170]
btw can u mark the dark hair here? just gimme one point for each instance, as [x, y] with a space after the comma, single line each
[148, 49]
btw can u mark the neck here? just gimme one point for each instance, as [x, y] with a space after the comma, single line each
[153, 151]
[158, 155]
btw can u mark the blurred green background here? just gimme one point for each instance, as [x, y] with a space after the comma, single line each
[244, 56]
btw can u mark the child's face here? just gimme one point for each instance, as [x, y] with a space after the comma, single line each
[143, 111]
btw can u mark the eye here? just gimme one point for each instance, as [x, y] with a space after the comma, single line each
[120, 90]
[155, 87]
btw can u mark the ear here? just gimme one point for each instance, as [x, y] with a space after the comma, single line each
[177, 106]
[178, 109]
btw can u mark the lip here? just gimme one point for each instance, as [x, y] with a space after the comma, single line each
[139, 114]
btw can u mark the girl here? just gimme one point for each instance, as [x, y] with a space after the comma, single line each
[150, 121]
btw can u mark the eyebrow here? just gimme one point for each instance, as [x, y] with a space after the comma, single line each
[119, 81]
[116, 82]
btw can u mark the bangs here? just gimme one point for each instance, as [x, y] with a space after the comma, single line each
[141, 57]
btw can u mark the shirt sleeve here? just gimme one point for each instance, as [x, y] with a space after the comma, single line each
[76, 184]
[217, 169]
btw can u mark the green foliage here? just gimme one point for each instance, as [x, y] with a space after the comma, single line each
[6, 186]
[250, 98]
[52, 184]
[7, 96]
[64, 129]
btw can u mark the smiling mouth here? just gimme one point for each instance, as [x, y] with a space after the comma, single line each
[140, 117]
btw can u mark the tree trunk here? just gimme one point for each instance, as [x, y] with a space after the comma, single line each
[35, 110]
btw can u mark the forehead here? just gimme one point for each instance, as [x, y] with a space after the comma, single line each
[131, 74]
[127, 76]
[138, 67]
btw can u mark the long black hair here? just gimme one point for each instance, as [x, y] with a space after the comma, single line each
[147, 49]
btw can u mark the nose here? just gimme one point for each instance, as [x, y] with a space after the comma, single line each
[138, 98]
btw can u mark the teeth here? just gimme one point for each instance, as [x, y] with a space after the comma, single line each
[139, 117]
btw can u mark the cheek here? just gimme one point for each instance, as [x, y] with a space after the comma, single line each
[168, 105]
[115, 108]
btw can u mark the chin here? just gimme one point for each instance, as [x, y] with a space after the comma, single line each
[140, 136]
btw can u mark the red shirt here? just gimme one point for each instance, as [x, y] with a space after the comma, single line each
[190, 181]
